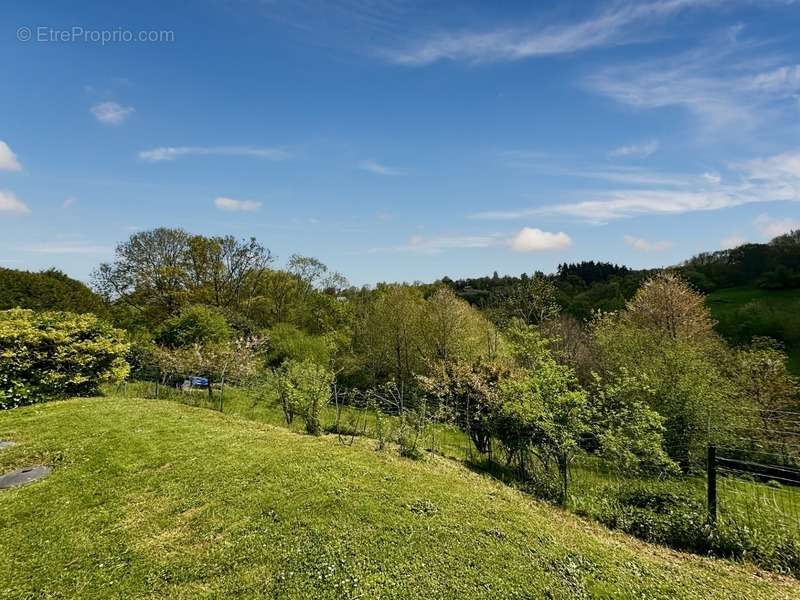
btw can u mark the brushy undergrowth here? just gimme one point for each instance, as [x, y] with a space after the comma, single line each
[663, 513]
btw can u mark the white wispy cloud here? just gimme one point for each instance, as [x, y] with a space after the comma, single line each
[10, 204]
[377, 168]
[612, 26]
[770, 227]
[732, 241]
[527, 239]
[231, 205]
[628, 203]
[712, 100]
[712, 177]
[770, 179]
[111, 113]
[643, 245]
[531, 239]
[625, 174]
[8, 160]
[726, 83]
[69, 202]
[640, 150]
[783, 169]
[165, 153]
[435, 244]
[782, 80]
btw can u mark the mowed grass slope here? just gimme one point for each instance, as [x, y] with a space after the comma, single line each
[157, 499]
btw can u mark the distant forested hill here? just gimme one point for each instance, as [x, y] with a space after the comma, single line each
[771, 266]
[752, 290]
[582, 287]
[47, 290]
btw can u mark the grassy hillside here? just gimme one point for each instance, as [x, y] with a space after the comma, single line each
[155, 499]
[743, 312]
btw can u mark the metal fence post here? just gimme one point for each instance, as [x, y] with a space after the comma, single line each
[711, 482]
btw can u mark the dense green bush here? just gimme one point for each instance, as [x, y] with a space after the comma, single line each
[195, 325]
[664, 513]
[49, 355]
[304, 388]
[47, 290]
[287, 342]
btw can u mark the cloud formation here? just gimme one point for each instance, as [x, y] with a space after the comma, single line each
[231, 205]
[8, 160]
[434, 245]
[380, 169]
[111, 113]
[10, 204]
[527, 239]
[643, 245]
[732, 241]
[641, 150]
[726, 83]
[167, 153]
[771, 227]
[770, 179]
[613, 26]
[531, 239]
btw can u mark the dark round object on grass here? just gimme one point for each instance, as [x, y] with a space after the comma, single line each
[24, 476]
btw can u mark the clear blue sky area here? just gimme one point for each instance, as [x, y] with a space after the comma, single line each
[400, 140]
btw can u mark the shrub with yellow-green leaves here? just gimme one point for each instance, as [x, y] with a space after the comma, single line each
[47, 355]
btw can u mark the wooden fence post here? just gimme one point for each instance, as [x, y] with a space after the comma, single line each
[711, 483]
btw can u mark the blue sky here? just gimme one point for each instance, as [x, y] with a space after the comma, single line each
[400, 140]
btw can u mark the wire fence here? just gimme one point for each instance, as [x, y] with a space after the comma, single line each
[756, 467]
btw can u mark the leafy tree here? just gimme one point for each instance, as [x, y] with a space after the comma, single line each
[629, 433]
[287, 342]
[304, 388]
[412, 417]
[277, 297]
[469, 391]
[570, 343]
[48, 355]
[542, 410]
[453, 330]
[150, 271]
[308, 270]
[666, 305]
[389, 334]
[235, 361]
[767, 392]
[195, 324]
[158, 271]
[47, 290]
[532, 300]
[665, 337]
[222, 269]
[764, 378]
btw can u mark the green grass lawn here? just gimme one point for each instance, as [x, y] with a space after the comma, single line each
[732, 297]
[161, 500]
[779, 315]
[759, 507]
